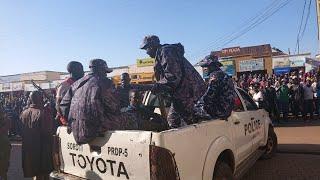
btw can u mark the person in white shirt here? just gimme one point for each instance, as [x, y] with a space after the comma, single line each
[308, 100]
[257, 96]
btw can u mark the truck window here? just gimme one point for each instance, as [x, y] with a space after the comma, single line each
[154, 101]
[250, 104]
[238, 107]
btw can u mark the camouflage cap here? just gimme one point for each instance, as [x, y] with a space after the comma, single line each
[150, 40]
[210, 60]
[99, 63]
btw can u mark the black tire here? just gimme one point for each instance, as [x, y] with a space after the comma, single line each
[271, 146]
[222, 171]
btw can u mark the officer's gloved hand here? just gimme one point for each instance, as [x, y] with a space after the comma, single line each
[155, 89]
[69, 130]
[161, 89]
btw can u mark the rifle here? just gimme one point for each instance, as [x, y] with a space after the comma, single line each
[41, 90]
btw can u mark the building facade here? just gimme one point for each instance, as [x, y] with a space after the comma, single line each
[244, 60]
[289, 63]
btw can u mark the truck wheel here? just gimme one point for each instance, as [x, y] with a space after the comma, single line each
[222, 171]
[271, 146]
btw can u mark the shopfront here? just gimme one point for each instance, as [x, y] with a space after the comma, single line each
[289, 63]
[228, 67]
[252, 66]
[246, 60]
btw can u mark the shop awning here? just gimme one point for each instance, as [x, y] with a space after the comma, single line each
[282, 70]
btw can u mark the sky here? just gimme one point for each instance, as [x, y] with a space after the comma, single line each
[45, 35]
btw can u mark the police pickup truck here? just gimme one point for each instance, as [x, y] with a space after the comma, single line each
[216, 149]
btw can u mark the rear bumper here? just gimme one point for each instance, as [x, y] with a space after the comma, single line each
[63, 176]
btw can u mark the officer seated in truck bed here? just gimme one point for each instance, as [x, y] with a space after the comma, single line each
[147, 120]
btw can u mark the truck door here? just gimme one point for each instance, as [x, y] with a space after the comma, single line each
[254, 127]
[243, 140]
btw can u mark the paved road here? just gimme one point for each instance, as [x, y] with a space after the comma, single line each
[15, 169]
[299, 157]
[286, 166]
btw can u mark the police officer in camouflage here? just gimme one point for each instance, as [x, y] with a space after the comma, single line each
[92, 105]
[174, 75]
[218, 100]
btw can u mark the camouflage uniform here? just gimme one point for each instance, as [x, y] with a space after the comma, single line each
[92, 107]
[175, 74]
[218, 100]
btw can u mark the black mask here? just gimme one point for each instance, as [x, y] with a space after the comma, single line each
[152, 51]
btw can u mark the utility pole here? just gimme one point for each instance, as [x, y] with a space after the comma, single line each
[318, 19]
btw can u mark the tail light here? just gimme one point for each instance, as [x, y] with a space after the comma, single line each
[56, 153]
[162, 164]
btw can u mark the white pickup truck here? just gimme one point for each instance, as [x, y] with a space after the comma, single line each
[216, 149]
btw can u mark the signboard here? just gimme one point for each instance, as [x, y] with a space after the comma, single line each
[17, 86]
[297, 61]
[45, 85]
[280, 62]
[234, 50]
[6, 87]
[29, 87]
[281, 70]
[145, 62]
[311, 64]
[254, 51]
[251, 65]
[228, 67]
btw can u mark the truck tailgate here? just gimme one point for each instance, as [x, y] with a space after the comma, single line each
[117, 155]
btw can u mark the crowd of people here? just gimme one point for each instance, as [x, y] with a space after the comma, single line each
[13, 103]
[294, 95]
[88, 105]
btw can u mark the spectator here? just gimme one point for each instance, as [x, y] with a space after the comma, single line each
[36, 139]
[315, 95]
[308, 100]
[284, 99]
[257, 96]
[296, 93]
[4, 145]
[270, 101]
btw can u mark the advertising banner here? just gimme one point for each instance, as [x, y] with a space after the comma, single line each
[281, 70]
[297, 61]
[17, 87]
[29, 87]
[145, 62]
[6, 87]
[228, 67]
[280, 62]
[251, 65]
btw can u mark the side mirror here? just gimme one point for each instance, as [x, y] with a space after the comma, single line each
[260, 104]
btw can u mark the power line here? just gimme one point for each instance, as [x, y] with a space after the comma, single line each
[300, 35]
[302, 18]
[258, 22]
[307, 19]
[245, 24]
[271, 9]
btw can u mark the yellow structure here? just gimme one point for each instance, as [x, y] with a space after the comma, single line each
[137, 78]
